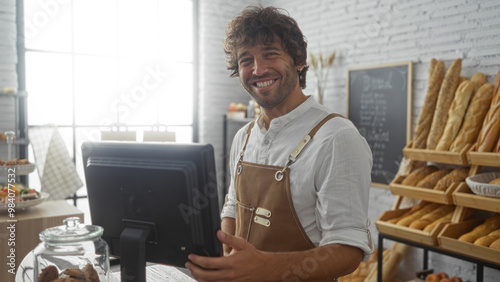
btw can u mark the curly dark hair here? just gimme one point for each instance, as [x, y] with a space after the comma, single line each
[256, 23]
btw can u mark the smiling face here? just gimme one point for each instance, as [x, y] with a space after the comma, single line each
[268, 74]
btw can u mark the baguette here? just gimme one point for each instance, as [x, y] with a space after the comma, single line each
[456, 175]
[497, 147]
[488, 136]
[412, 210]
[490, 225]
[456, 115]
[497, 97]
[478, 79]
[445, 98]
[429, 218]
[473, 119]
[445, 218]
[462, 79]
[418, 174]
[436, 76]
[496, 88]
[495, 245]
[405, 221]
[495, 100]
[486, 241]
[495, 233]
[432, 179]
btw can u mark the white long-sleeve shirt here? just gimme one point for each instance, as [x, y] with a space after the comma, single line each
[330, 180]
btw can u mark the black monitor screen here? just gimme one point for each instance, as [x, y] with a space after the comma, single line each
[157, 202]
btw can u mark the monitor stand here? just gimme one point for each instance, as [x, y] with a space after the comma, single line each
[133, 250]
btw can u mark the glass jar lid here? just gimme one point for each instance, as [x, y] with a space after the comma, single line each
[71, 231]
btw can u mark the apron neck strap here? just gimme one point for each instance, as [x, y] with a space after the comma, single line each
[295, 153]
[320, 124]
[245, 139]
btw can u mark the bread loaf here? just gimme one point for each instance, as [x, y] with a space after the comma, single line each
[488, 239]
[410, 211]
[445, 98]
[469, 237]
[489, 133]
[445, 218]
[491, 114]
[495, 233]
[462, 79]
[432, 278]
[495, 181]
[412, 166]
[497, 88]
[485, 241]
[418, 174]
[429, 218]
[497, 147]
[488, 136]
[436, 75]
[495, 245]
[478, 79]
[456, 115]
[456, 175]
[490, 225]
[405, 221]
[432, 179]
[473, 119]
[432, 65]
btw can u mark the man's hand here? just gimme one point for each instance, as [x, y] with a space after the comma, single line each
[244, 262]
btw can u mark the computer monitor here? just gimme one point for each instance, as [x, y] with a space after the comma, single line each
[157, 202]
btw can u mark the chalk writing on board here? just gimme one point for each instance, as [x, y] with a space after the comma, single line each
[378, 107]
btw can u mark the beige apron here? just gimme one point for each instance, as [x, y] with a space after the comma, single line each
[265, 215]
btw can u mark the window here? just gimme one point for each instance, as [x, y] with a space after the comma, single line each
[91, 64]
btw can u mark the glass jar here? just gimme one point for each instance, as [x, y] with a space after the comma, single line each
[72, 250]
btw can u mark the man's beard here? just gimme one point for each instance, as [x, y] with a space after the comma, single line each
[286, 84]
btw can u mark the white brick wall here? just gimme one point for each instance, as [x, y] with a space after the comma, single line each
[367, 32]
[8, 52]
[8, 75]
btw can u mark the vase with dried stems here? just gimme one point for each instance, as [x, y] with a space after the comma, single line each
[320, 67]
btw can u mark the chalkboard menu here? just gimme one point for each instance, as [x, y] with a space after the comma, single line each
[379, 104]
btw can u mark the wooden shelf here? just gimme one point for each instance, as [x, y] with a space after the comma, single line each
[415, 235]
[426, 194]
[459, 158]
[444, 237]
[484, 159]
[463, 196]
[448, 240]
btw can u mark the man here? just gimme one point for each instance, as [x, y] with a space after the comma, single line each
[300, 176]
